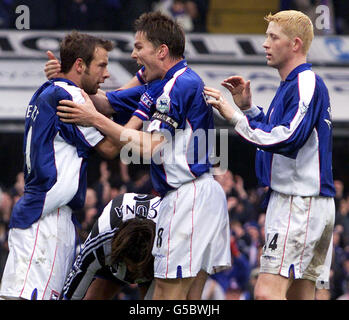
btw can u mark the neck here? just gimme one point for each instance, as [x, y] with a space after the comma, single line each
[72, 77]
[167, 65]
[285, 70]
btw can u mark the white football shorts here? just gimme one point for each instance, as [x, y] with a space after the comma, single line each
[299, 234]
[40, 257]
[192, 232]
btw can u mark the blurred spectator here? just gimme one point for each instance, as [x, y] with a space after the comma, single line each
[256, 242]
[131, 10]
[190, 14]
[345, 295]
[138, 180]
[6, 204]
[226, 180]
[198, 10]
[141, 183]
[339, 186]
[337, 260]
[342, 219]
[102, 186]
[18, 189]
[88, 215]
[6, 13]
[112, 14]
[176, 9]
[74, 14]
[241, 238]
[341, 11]
[234, 281]
[116, 187]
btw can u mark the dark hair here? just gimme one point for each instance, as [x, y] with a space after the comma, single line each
[134, 241]
[161, 29]
[80, 45]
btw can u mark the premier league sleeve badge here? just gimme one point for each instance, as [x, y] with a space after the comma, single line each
[163, 104]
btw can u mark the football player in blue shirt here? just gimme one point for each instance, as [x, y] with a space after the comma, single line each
[42, 234]
[294, 159]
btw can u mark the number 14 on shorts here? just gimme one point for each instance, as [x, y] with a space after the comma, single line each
[271, 242]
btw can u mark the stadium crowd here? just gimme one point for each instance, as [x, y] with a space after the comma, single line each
[246, 224]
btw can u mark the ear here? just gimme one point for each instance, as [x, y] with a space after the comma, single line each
[80, 65]
[163, 51]
[297, 44]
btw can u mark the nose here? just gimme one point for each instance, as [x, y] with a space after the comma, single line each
[106, 74]
[265, 44]
[133, 54]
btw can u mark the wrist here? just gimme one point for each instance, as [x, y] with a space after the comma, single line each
[234, 119]
[252, 112]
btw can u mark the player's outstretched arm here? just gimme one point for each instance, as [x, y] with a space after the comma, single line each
[86, 114]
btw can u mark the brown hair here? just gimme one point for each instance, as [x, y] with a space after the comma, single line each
[161, 29]
[134, 241]
[80, 45]
[294, 24]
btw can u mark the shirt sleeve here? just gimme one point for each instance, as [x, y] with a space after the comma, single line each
[126, 101]
[84, 138]
[285, 131]
[147, 103]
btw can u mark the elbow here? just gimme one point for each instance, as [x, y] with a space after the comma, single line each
[110, 153]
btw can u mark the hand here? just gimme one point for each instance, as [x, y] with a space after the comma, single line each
[82, 114]
[220, 103]
[240, 90]
[52, 66]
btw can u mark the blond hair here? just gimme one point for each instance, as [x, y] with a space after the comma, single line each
[294, 24]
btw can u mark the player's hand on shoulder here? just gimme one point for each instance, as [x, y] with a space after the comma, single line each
[218, 101]
[78, 113]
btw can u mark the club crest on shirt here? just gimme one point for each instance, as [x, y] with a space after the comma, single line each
[163, 104]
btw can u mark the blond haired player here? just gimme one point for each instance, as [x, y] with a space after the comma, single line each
[294, 159]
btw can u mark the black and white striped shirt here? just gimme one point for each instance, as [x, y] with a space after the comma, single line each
[95, 253]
